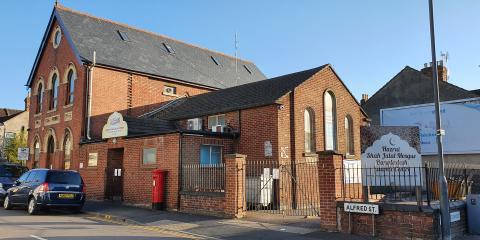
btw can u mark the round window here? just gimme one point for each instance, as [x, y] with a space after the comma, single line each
[57, 38]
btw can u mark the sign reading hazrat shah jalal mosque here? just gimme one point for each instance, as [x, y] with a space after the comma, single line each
[391, 161]
[115, 127]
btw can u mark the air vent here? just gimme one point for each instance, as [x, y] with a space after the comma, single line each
[123, 36]
[168, 48]
[215, 60]
[248, 69]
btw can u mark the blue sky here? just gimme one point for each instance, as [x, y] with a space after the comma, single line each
[367, 42]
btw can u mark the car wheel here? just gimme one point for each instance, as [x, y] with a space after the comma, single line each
[6, 203]
[32, 207]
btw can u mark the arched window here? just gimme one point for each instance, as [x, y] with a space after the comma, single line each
[36, 154]
[39, 98]
[309, 129]
[71, 77]
[330, 115]
[54, 95]
[349, 141]
[67, 150]
[50, 152]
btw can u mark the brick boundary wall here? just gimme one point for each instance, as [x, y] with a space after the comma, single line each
[400, 222]
[227, 204]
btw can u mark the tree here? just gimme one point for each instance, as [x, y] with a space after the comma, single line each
[12, 145]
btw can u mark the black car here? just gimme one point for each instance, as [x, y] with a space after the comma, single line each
[40, 189]
[9, 172]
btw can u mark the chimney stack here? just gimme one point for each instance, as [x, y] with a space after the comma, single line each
[364, 99]
[442, 70]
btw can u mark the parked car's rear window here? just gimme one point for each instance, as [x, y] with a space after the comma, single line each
[12, 171]
[64, 177]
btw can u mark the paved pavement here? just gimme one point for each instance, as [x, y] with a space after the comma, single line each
[217, 228]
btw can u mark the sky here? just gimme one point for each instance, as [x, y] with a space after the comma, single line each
[367, 42]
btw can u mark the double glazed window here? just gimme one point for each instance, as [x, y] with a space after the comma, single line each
[67, 149]
[210, 155]
[309, 122]
[36, 154]
[54, 95]
[330, 120]
[71, 77]
[217, 120]
[39, 98]
[349, 146]
[149, 156]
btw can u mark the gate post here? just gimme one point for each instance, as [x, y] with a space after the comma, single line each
[235, 185]
[330, 184]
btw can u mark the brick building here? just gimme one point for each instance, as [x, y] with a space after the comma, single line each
[182, 105]
[12, 122]
[88, 67]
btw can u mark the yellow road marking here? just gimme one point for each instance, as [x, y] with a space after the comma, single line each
[181, 234]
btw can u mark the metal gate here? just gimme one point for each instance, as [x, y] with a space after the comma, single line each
[287, 188]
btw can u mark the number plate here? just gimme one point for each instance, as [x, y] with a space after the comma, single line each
[66, 195]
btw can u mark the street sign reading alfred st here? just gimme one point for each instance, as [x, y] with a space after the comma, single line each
[361, 208]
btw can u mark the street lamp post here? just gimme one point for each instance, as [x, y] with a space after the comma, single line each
[444, 202]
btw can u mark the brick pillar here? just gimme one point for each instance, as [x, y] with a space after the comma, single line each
[235, 185]
[330, 185]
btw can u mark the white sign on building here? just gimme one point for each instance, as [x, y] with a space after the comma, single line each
[391, 161]
[460, 120]
[22, 154]
[115, 126]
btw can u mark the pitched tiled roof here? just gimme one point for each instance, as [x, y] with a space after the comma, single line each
[6, 113]
[145, 52]
[250, 95]
[477, 91]
[410, 87]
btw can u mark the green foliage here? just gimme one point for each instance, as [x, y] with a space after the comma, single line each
[12, 145]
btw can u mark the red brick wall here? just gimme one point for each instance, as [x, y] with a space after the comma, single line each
[257, 126]
[60, 58]
[137, 176]
[400, 224]
[128, 93]
[112, 91]
[310, 95]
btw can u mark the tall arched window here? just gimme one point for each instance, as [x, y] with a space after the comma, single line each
[309, 129]
[330, 120]
[349, 141]
[67, 150]
[71, 77]
[50, 152]
[36, 154]
[54, 95]
[39, 98]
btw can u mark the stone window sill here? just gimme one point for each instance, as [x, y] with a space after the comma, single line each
[68, 106]
[51, 111]
[310, 154]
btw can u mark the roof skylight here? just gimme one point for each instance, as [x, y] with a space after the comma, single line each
[248, 69]
[168, 48]
[215, 60]
[123, 36]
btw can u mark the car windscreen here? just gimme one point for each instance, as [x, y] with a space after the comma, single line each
[12, 171]
[64, 177]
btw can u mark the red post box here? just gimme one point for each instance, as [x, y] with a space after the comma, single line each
[158, 194]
